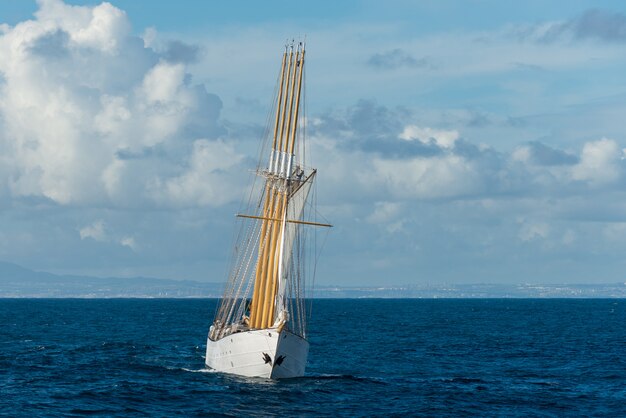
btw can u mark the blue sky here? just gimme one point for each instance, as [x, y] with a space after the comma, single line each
[475, 141]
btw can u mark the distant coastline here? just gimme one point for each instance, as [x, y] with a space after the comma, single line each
[20, 282]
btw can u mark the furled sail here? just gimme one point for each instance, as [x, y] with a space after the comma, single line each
[295, 208]
[260, 325]
[267, 274]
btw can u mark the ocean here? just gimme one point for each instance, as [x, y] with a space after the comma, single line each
[368, 357]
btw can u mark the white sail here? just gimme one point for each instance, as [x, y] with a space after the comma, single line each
[294, 211]
[260, 325]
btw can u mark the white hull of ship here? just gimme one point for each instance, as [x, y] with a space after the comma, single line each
[266, 353]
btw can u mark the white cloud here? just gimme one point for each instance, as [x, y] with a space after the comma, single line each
[435, 177]
[95, 231]
[113, 116]
[163, 83]
[102, 27]
[98, 231]
[129, 242]
[149, 37]
[405, 165]
[521, 154]
[205, 182]
[112, 176]
[119, 127]
[90, 116]
[600, 162]
[443, 139]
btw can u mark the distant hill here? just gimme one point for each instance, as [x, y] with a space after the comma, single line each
[20, 282]
[17, 281]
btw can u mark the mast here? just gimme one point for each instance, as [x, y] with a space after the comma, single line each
[278, 112]
[267, 258]
[278, 190]
[295, 119]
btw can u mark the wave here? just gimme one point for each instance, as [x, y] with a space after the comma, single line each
[345, 377]
[464, 380]
[203, 370]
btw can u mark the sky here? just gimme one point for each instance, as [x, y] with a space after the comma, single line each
[456, 141]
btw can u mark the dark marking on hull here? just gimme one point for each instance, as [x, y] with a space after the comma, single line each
[267, 359]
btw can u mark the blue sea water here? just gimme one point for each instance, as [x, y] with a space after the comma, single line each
[474, 357]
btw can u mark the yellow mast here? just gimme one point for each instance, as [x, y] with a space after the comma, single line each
[267, 204]
[276, 198]
[262, 263]
[270, 280]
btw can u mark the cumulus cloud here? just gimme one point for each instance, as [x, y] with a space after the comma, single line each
[536, 153]
[444, 197]
[177, 51]
[600, 162]
[99, 232]
[442, 138]
[436, 163]
[428, 178]
[206, 181]
[117, 127]
[95, 231]
[101, 27]
[81, 94]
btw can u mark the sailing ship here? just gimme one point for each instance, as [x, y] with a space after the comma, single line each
[260, 327]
